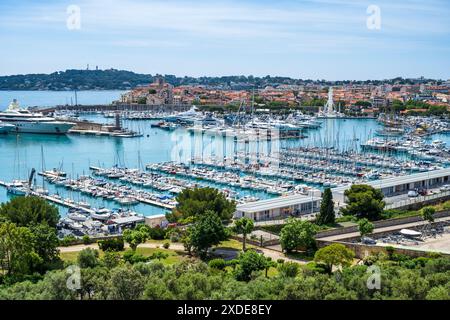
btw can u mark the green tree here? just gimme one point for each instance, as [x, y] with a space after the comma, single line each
[427, 214]
[136, 236]
[111, 259]
[297, 234]
[334, 255]
[186, 240]
[207, 231]
[126, 283]
[269, 264]
[439, 293]
[88, 258]
[249, 262]
[326, 215]
[46, 242]
[243, 226]
[27, 211]
[365, 227]
[17, 254]
[93, 283]
[363, 201]
[195, 202]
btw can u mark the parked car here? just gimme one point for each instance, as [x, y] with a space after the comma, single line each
[367, 240]
[445, 187]
[422, 192]
[413, 194]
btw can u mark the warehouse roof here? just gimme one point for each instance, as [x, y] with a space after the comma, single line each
[130, 219]
[275, 203]
[395, 181]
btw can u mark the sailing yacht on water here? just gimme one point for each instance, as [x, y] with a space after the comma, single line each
[25, 121]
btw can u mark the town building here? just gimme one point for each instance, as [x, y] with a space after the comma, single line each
[281, 207]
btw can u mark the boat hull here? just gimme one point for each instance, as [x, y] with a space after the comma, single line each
[5, 128]
[42, 127]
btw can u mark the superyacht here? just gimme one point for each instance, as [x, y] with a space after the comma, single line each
[25, 121]
[5, 127]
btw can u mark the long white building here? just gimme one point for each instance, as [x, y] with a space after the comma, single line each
[278, 207]
[400, 185]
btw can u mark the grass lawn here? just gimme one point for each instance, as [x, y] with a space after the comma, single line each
[69, 256]
[300, 256]
[174, 256]
[272, 272]
[233, 244]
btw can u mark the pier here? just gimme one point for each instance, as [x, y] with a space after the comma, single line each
[136, 197]
[55, 200]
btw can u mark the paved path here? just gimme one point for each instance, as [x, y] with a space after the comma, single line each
[381, 230]
[79, 247]
[273, 253]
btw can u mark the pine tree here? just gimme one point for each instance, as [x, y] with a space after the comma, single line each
[326, 215]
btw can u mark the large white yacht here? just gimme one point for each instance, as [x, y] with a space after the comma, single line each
[5, 127]
[29, 122]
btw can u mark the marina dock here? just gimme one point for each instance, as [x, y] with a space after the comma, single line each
[54, 200]
[135, 197]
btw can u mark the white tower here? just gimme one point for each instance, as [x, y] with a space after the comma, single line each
[329, 106]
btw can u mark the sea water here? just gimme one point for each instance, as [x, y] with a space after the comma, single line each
[74, 154]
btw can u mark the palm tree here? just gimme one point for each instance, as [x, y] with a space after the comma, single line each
[243, 226]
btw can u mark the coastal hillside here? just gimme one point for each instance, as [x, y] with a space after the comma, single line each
[76, 80]
[112, 79]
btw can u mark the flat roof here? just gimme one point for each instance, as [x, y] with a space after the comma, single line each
[155, 216]
[395, 181]
[279, 202]
[131, 219]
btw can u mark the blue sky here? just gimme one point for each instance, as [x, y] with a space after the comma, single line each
[316, 39]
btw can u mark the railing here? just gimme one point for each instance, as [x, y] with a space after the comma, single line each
[419, 199]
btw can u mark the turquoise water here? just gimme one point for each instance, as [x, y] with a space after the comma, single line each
[74, 153]
[52, 98]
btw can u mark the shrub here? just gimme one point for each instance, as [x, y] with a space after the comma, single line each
[288, 269]
[446, 205]
[173, 234]
[280, 261]
[159, 255]
[166, 245]
[157, 233]
[67, 240]
[132, 257]
[86, 239]
[113, 244]
[390, 251]
[219, 264]
[313, 268]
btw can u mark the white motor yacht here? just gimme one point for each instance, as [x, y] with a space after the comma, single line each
[25, 121]
[6, 127]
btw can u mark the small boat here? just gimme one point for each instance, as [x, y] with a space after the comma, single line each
[16, 191]
[75, 216]
[410, 233]
[101, 214]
